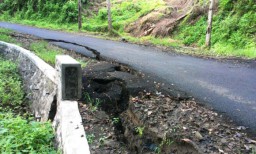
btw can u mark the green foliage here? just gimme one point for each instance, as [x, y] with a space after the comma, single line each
[102, 140]
[83, 63]
[11, 94]
[139, 130]
[164, 142]
[122, 14]
[48, 52]
[194, 33]
[18, 135]
[55, 11]
[93, 103]
[233, 32]
[116, 120]
[44, 51]
[5, 37]
[90, 138]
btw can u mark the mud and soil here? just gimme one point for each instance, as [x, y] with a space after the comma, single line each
[133, 117]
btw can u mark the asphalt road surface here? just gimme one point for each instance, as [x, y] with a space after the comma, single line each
[228, 86]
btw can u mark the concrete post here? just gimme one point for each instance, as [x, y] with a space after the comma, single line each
[69, 77]
[71, 137]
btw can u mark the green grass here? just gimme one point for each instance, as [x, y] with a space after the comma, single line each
[11, 93]
[4, 37]
[18, 134]
[48, 52]
[83, 63]
[233, 32]
[166, 41]
[44, 51]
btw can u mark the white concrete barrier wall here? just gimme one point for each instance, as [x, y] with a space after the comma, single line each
[41, 84]
[39, 78]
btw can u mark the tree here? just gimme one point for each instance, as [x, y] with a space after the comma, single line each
[79, 14]
[209, 27]
[109, 16]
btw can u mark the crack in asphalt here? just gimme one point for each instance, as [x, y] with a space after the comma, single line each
[94, 51]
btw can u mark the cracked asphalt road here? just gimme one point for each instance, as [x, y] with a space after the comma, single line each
[228, 86]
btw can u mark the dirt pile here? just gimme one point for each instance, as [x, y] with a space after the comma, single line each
[161, 22]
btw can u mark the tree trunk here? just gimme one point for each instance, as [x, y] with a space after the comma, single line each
[209, 27]
[109, 16]
[79, 15]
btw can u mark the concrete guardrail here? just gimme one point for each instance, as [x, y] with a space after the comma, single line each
[53, 94]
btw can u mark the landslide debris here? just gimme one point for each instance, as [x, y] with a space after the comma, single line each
[158, 123]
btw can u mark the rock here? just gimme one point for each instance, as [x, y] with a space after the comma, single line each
[240, 128]
[149, 113]
[223, 141]
[103, 67]
[207, 126]
[102, 115]
[238, 135]
[198, 136]
[133, 83]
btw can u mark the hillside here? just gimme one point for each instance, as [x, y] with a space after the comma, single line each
[185, 21]
[160, 22]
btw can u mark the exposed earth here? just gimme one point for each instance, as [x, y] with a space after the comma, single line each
[148, 121]
[160, 22]
[124, 111]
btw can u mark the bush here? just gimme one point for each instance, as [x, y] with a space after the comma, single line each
[11, 94]
[56, 11]
[18, 135]
[193, 34]
[69, 12]
[233, 29]
[102, 14]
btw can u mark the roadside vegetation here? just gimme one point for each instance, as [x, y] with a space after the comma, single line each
[5, 37]
[19, 133]
[41, 48]
[234, 29]
[123, 13]
[233, 32]
[44, 51]
[11, 94]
